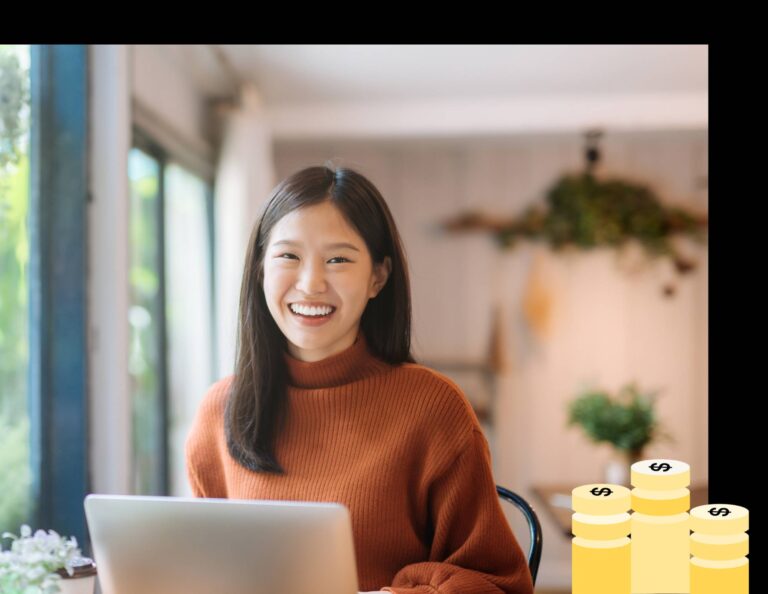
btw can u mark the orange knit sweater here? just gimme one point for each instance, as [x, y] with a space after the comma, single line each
[401, 447]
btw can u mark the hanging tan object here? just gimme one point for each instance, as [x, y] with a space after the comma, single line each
[538, 301]
[497, 354]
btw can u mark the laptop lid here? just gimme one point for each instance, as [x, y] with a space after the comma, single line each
[181, 545]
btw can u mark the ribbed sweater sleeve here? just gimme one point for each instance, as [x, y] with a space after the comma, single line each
[473, 548]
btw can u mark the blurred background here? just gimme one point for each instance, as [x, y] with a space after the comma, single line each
[552, 200]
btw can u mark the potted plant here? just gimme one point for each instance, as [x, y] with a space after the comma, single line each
[627, 422]
[45, 563]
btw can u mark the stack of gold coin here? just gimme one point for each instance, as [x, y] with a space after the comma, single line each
[719, 545]
[660, 526]
[600, 547]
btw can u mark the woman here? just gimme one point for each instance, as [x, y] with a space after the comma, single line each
[327, 403]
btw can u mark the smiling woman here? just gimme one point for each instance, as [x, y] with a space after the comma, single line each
[317, 296]
[324, 334]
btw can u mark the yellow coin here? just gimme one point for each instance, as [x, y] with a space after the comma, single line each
[660, 473]
[600, 527]
[719, 518]
[719, 546]
[600, 499]
[661, 502]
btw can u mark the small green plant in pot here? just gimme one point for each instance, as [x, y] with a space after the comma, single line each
[627, 421]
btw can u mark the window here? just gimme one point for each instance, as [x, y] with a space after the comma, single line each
[171, 311]
[189, 284]
[43, 351]
[15, 472]
[147, 336]
[43, 287]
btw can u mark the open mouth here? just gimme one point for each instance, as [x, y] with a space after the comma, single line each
[308, 317]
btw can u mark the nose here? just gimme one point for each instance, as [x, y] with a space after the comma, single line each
[311, 278]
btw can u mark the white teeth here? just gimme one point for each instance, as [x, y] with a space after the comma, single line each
[310, 311]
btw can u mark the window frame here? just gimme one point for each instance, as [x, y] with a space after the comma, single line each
[58, 350]
[146, 142]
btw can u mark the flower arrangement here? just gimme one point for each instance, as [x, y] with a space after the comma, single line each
[35, 562]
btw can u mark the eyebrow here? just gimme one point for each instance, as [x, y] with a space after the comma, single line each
[328, 246]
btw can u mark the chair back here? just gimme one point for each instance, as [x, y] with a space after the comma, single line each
[534, 528]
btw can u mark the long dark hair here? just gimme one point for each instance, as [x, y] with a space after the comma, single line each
[256, 408]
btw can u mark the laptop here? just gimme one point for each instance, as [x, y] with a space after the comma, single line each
[182, 545]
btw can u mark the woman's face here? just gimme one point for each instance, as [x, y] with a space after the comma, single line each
[311, 269]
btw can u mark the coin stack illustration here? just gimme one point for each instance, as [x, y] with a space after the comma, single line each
[719, 545]
[660, 526]
[600, 547]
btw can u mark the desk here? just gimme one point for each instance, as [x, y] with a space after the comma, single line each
[556, 500]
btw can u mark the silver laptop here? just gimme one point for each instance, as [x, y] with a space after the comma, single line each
[180, 545]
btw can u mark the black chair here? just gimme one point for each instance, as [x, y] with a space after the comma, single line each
[534, 528]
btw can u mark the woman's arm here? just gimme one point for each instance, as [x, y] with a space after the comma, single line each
[473, 548]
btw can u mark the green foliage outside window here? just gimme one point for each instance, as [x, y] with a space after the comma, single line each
[15, 479]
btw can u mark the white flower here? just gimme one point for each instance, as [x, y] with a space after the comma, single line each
[29, 567]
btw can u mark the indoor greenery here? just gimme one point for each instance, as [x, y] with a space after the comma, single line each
[585, 212]
[14, 95]
[627, 421]
[15, 475]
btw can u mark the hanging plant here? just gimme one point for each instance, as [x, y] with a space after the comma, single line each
[585, 212]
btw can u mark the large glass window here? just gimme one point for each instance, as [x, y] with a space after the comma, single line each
[16, 506]
[171, 313]
[146, 364]
[189, 296]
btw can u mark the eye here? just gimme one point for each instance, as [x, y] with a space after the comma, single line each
[336, 258]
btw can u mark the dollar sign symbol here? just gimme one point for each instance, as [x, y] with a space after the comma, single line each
[663, 466]
[601, 491]
[719, 511]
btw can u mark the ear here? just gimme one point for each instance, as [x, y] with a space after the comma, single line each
[381, 273]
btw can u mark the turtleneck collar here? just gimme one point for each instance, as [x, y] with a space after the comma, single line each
[353, 363]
